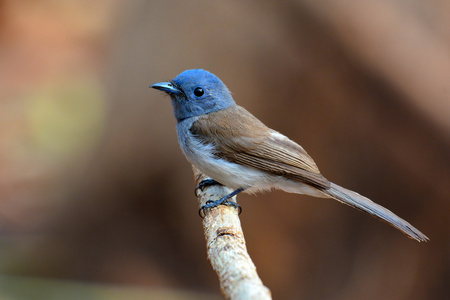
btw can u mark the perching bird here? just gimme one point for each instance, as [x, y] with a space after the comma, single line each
[230, 145]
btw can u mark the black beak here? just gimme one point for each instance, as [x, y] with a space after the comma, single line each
[167, 87]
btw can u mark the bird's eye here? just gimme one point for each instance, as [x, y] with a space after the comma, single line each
[199, 92]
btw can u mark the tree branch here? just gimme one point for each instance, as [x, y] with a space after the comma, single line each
[226, 248]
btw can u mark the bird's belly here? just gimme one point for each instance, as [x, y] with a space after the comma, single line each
[228, 173]
[250, 179]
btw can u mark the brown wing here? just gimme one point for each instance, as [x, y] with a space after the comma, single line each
[245, 140]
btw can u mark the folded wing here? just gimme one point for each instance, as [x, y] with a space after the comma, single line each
[247, 141]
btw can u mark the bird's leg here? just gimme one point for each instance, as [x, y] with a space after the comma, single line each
[205, 183]
[222, 201]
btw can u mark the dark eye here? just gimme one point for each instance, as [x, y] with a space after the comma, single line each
[199, 92]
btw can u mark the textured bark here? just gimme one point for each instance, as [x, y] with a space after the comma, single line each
[226, 247]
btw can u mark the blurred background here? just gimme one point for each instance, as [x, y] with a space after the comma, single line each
[96, 198]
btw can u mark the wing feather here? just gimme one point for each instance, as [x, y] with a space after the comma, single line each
[241, 138]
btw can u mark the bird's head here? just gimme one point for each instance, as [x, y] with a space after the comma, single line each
[196, 92]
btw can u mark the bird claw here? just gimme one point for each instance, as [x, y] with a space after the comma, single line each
[212, 204]
[205, 183]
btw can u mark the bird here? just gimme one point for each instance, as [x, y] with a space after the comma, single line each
[234, 148]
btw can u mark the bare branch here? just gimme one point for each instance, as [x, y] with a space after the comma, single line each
[226, 248]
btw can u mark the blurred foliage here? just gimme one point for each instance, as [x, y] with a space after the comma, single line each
[66, 118]
[94, 188]
[27, 288]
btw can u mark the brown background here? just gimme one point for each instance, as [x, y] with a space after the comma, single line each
[94, 188]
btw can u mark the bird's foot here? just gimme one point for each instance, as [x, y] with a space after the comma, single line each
[222, 201]
[205, 183]
[214, 203]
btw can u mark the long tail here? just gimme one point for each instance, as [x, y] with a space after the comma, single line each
[360, 202]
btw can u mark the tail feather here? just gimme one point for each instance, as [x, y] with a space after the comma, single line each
[362, 203]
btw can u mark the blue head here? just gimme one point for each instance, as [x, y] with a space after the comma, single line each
[195, 93]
